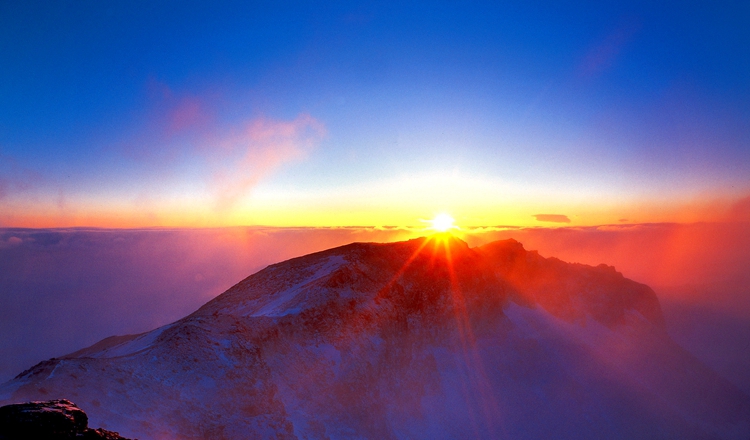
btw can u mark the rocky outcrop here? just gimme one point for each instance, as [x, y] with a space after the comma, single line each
[49, 420]
[573, 292]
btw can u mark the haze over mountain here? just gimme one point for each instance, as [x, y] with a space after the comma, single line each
[427, 338]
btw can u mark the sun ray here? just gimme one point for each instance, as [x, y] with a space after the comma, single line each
[488, 405]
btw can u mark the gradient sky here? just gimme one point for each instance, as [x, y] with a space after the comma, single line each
[124, 114]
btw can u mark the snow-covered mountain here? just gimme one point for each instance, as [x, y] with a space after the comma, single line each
[426, 338]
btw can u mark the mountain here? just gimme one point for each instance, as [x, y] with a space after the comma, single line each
[426, 338]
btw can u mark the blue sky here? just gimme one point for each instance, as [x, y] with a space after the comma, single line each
[135, 114]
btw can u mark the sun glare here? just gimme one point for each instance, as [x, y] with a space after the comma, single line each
[442, 222]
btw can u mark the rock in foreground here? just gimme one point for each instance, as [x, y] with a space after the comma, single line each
[49, 420]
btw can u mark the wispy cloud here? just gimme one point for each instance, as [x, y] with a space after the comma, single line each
[258, 149]
[553, 218]
[235, 153]
[175, 112]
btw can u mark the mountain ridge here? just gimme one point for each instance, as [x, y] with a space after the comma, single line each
[388, 340]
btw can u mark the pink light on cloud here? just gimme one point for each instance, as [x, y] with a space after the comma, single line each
[173, 123]
[189, 112]
[176, 113]
[235, 155]
[261, 148]
[184, 116]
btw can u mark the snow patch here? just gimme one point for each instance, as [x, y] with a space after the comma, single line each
[132, 346]
[276, 306]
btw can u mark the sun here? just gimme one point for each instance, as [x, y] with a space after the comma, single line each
[443, 222]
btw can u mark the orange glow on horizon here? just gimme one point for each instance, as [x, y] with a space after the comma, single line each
[338, 212]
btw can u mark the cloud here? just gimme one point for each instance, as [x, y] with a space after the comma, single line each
[260, 148]
[174, 113]
[553, 218]
[187, 114]
[11, 241]
[237, 153]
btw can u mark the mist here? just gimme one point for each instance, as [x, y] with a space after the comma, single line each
[699, 272]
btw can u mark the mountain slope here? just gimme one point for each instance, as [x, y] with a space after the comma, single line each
[419, 339]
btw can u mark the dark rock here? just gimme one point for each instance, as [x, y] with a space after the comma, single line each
[49, 420]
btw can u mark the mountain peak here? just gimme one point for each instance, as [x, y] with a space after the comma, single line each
[355, 273]
[412, 339]
[360, 273]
